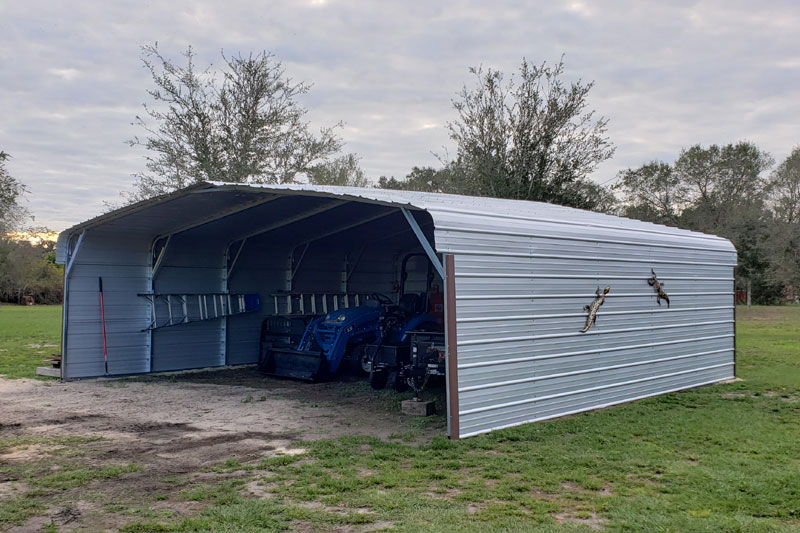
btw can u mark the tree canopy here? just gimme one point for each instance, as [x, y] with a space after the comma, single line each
[724, 190]
[343, 170]
[531, 138]
[12, 213]
[240, 123]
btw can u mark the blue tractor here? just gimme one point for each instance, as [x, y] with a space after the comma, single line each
[344, 335]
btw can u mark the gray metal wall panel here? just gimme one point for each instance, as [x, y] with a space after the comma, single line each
[191, 264]
[520, 298]
[260, 269]
[123, 265]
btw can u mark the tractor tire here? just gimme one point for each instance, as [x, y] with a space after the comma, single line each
[378, 379]
[355, 359]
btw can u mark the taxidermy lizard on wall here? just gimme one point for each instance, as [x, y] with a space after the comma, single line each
[659, 288]
[593, 308]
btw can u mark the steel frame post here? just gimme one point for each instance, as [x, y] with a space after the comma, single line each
[65, 307]
[424, 242]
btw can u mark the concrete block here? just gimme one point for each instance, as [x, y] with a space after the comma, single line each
[418, 408]
[48, 371]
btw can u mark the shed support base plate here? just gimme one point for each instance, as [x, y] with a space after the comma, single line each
[418, 408]
[48, 371]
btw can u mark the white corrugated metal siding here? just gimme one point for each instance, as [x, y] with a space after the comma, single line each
[523, 272]
[521, 287]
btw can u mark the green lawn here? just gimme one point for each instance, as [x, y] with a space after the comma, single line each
[720, 458]
[24, 332]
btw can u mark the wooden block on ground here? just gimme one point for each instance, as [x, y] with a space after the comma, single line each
[418, 408]
[48, 371]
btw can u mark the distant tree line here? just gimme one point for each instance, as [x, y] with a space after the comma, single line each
[29, 273]
[27, 270]
[728, 191]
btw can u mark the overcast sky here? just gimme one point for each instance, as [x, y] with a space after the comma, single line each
[667, 74]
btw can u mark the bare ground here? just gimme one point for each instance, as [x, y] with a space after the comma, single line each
[176, 427]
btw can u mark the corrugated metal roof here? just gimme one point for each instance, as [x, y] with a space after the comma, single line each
[446, 209]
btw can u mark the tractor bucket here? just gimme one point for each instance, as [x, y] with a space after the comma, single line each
[288, 363]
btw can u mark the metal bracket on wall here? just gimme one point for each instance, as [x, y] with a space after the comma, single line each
[235, 257]
[299, 261]
[161, 253]
[74, 254]
[351, 265]
[424, 242]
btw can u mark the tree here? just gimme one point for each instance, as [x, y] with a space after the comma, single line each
[719, 190]
[784, 189]
[28, 269]
[721, 182]
[343, 170]
[12, 214]
[652, 192]
[240, 124]
[532, 139]
[428, 179]
[784, 241]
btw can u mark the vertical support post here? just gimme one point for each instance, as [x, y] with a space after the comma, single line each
[156, 260]
[65, 305]
[225, 287]
[451, 342]
[343, 278]
[733, 284]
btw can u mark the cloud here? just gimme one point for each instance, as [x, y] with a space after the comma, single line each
[67, 74]
[668, 75]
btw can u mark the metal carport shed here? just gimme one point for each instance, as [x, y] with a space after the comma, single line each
[516, 277]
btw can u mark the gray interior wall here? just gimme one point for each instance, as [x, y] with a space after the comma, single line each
[193, 263]
[123, 263]
[375, 272]
[261, 269]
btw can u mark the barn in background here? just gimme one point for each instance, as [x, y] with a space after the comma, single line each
[516, 276]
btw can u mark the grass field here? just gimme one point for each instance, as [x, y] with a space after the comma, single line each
[28, 335]
[719, 458]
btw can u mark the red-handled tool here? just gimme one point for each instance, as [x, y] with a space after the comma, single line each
[103, 321]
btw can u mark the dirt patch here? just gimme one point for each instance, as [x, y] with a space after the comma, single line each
[12, 489]
[585, 518]
[180, 431]
[260, 489]
[25, 453]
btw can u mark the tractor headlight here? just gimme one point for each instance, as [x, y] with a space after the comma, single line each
[341, 318]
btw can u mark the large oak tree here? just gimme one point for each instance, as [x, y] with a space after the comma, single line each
[241, 122]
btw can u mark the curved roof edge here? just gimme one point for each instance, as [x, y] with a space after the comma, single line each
[443, 205]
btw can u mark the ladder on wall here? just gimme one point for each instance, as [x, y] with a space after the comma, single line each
[175, 309]
[297, 303]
